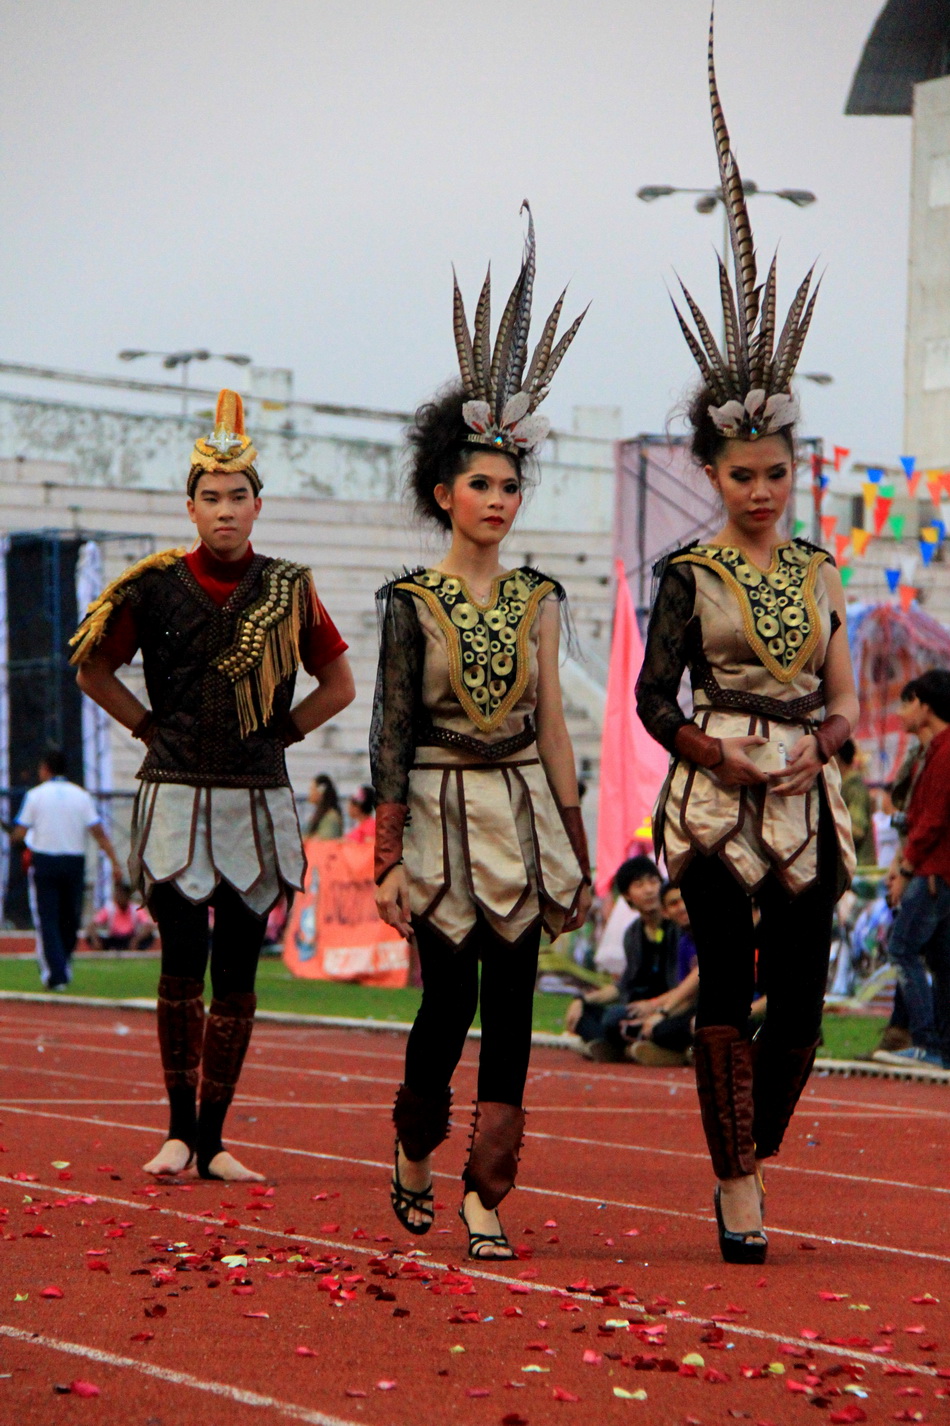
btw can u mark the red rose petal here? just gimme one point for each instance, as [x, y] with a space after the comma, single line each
[560, 1394]
[305, 1352]
[83, 1388]
[52, 1292]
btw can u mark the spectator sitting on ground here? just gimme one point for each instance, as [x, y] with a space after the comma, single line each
[661, 1030]
[857, 797]
[650, 953]
[121, 925]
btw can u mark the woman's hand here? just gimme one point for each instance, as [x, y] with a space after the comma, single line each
[736, 768]
[581, 911]
[800, 771]
[574, 1012]
[392, 900]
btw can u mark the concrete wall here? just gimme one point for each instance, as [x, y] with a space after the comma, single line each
[927, 365]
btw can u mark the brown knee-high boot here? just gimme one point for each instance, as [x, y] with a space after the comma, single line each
[227, 1036]
[497, 1133]
[422, 1124]
[181, 1025]
[779, 1074]
[724, 1082]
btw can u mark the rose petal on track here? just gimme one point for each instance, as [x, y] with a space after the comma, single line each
[142, 1337]
[351, 1390]
[52, 1291]
[476, 1391]
[385, 1385]
[83, 1388]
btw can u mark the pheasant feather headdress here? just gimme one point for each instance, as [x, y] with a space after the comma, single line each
[750, 381]
[502, 397]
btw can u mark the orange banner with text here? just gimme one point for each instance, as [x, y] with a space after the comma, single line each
[334, 932]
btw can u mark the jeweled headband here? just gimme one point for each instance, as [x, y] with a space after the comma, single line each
[751, 383]
[227, 450]
[502, 398]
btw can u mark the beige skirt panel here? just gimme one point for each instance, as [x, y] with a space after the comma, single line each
[753, 829]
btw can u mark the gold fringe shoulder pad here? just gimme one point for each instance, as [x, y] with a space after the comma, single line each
[92, 630]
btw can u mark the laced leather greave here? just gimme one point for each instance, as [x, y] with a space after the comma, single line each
[227, 1036]
[181, 1026]
[724, 1083]
[494, 1149]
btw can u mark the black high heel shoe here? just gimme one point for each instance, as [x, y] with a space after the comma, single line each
[739, 1247]
[477, 1241]
[406, 1200]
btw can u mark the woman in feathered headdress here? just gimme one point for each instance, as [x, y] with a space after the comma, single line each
[479, 838]
[751, 818]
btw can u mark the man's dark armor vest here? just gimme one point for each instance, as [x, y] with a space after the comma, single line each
[182, 635]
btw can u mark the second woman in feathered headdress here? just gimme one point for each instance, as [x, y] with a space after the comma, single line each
[479, 838]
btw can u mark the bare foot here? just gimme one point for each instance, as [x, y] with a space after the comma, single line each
[173, 1157]
[417, 1177]
[226, 1167]
[479, 1219]
[741, 1206]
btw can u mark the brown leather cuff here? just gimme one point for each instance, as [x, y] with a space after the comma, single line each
[830, 735]
[144, 729]
[698, 747]
[390, 822]
[577, 836]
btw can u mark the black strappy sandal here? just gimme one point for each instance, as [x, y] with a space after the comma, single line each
[481, 1240]
[739, 1247]
[406, 1200]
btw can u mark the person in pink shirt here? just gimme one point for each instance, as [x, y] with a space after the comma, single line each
[362, 812]
[121, 925]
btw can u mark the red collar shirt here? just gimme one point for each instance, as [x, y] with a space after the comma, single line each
[927, 849]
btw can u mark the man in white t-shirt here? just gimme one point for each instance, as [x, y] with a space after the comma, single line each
[54, 820]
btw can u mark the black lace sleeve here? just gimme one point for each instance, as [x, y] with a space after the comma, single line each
[666, 655]
[398, 696]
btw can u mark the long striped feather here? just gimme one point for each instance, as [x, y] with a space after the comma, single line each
[740, 231]
[713, 354]
[546, 341]
[502, 337]
[555, 359]
[760, 365]
[481, 344]
[779, 360]
[513, 369]
[730, 325]
[797, 342]
[700, 358]
[463, 341]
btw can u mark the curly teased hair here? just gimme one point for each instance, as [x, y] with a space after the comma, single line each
[439, 450]
[706, 441]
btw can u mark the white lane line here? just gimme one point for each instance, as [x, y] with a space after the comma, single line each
[524, 1187]
[253, 1102]
[175, 1378]
[82, 1074]
[758, 1333]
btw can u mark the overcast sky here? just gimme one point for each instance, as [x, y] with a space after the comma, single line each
[294, 178]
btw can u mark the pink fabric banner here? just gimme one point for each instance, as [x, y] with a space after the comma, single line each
[632, 765]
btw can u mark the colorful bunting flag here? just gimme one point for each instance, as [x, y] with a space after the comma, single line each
[875, 474]
[907, 594]
[912, 483]
[908, 462]
[882, 508]
[893, 577]
[869, 491]
[846, 573]
[887, 492]
[841, 453]
[927, 551]
[930, 533]
[897, 523]
[860, 539]
[797, 528]
[841, 544]
[828, 526]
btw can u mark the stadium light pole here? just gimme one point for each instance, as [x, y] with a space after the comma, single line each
[183, 359]
[708, 199]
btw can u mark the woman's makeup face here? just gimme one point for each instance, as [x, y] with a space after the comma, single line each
[483, 499]
[754, 479]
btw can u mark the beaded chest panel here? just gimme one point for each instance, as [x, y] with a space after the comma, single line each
[487, 644]
[780, 616]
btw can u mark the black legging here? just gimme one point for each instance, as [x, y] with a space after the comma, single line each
[793, 939]
[450, 997]
[235, 943]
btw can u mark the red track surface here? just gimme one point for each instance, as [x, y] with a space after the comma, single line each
[857, 1205]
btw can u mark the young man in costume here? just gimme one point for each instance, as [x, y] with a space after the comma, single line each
[221, 632]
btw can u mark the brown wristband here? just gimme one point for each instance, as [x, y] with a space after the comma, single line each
[144, 729]
[577, 836]
[698, 747]
[390, 822]
[830, 735]
[288, 732]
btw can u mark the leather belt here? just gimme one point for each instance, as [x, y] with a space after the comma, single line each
[434, 736]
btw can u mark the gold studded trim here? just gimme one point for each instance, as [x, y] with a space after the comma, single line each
[266, 648]
[783, 635]
[471, 628]
[92, 630]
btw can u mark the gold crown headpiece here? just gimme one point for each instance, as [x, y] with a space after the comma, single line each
[751, 383]
[228, 449]
[502, 399]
